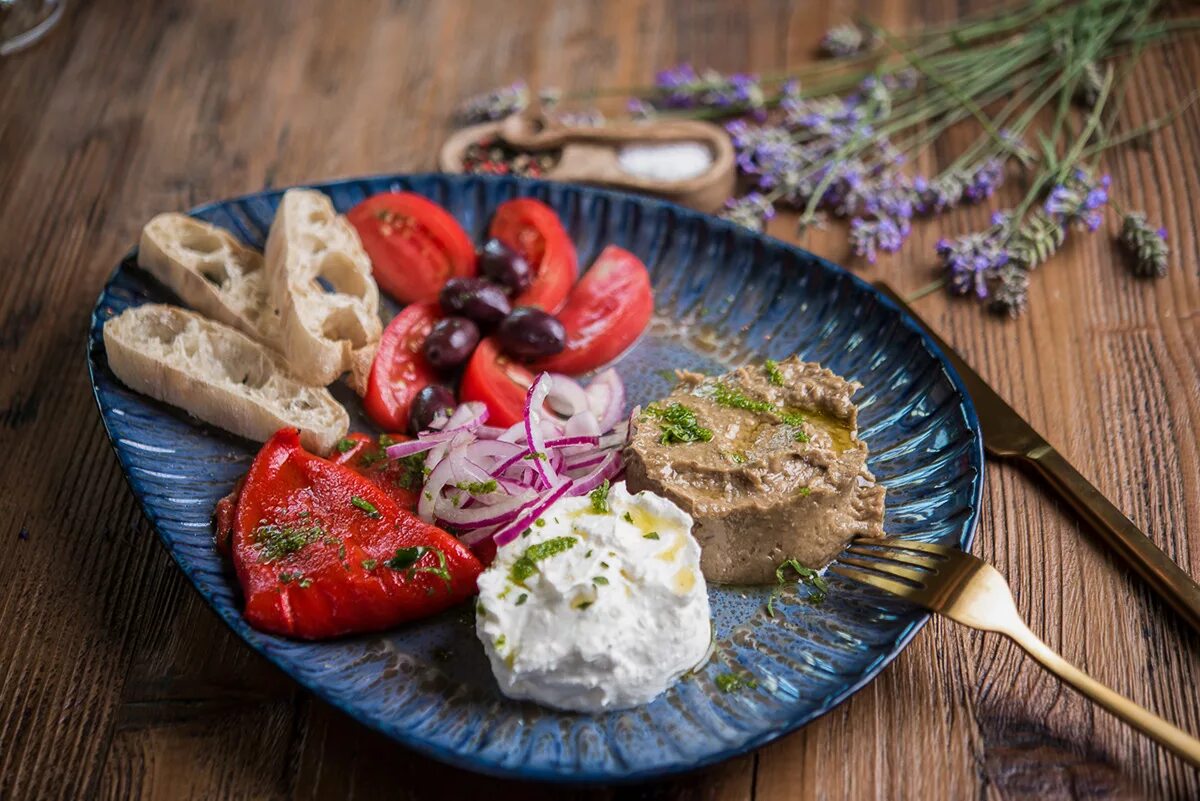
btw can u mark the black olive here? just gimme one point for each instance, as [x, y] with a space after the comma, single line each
[477, 298]
[505, 266]
[428, 404]
[451, 342]
[530, 333]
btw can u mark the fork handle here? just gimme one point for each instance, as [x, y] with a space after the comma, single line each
[1149, 724]
[1120, 533]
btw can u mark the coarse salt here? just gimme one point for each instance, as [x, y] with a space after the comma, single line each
[667, 161]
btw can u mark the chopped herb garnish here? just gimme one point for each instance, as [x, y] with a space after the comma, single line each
[406, 560]
[805, 490]
[478, 487]
[526, 532]
[738, 457]
[627, 517]
[385, 441]
[801, 436]
[599, 580]
[541, 521]
[369, 564]
[731, 682]
[480, 608]
[345, 444]
[275, 542]
[305, 583]
[522, 598]
[791, 418]
[806, 575]
[286, 577]
[500, 641]
[411, 470]
[678, 424]
[588, 555]
[526, 564]
[599, 498]
[773, 373]
[533, 457]
[583, 605]
[650, 535]
[365, 505]
[736, 399]
[604, 565]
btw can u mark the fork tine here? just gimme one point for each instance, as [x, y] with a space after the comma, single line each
[911, 545]
[893, 586]
[918, 576]
[889, 552]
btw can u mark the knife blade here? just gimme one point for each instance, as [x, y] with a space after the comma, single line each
[1008, 436]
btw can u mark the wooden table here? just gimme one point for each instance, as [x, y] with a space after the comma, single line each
[117, 681]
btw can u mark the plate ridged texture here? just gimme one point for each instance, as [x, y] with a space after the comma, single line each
[723, 295]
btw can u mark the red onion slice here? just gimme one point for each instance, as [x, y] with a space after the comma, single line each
[606, 398]
[566, 396]
[525, 520]
[534, 435]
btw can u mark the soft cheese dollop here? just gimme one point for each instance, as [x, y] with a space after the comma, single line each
[595, 609]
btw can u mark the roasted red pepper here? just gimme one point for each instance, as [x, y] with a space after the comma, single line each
[400, 478]
[321, 551]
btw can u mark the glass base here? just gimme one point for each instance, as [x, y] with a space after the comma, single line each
[23, 22]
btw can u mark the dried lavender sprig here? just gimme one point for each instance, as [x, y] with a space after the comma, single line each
[1147, 246]
[752, 210]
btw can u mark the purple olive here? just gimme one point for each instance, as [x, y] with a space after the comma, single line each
[530, 333]
[505, 266]
[428, 404]
[451, 342]
[481, 300]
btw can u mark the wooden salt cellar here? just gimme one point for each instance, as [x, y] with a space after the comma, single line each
[589, 154]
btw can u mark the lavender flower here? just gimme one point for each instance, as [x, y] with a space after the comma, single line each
[1078, 200]
[640, 110]
[1011, 293]
[973, 260]
[944, 192]
[847, 40]
[752, 211]
[868, 237]
[1147, 245]
[1036, 240]
[494, 105]
[981, 183]
[683, 87]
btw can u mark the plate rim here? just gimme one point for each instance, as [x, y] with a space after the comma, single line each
[449, 756]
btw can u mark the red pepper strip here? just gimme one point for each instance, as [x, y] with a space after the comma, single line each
[321, 551]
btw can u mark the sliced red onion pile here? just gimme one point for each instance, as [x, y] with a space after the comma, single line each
[568, 443]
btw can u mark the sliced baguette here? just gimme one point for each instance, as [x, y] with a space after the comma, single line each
[218, 374]
[211, 272]
[319, 330]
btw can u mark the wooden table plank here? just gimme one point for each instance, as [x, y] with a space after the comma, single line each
[115, 678]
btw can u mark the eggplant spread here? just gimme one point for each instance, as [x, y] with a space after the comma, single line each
[767, 461]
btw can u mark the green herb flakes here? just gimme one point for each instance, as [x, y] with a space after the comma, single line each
[385, 441]
[346, 444]
[411, 471]
[628, 518]
[540, 522]
[678, 424]
[805, 491]
[731, 682]
[275, 542]
[365, 505]
[599, 498]
[406, 560]
[305, 583]
[522, 598]
[599, 580]
[478, 487]
[369, 564]
[650, 535]
[526, 564]
[773, 373]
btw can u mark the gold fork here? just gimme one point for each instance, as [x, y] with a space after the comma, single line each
[972, 592]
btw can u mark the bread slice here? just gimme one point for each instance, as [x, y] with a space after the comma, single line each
[210, 271]
[319, 282]
[218, 374]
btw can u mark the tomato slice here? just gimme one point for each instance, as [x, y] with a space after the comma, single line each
[415, 245]
[400, 370]
[531, 228]
[605, 313]
[498, 381]
[320, 551]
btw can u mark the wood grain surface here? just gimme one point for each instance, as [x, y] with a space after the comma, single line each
[116, 681]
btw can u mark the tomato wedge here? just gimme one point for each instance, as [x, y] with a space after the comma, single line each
[415, 245]
[498, 381]
[605, 313]
[531, 228]
[400, 370]
[320, 551]
[367, 456]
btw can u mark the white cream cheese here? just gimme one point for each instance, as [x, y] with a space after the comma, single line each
[591, 611]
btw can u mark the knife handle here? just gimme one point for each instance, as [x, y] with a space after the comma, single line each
[1120, 533]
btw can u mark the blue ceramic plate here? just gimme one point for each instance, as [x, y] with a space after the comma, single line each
[723, 295]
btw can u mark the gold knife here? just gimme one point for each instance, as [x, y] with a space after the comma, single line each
[1006, 435]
